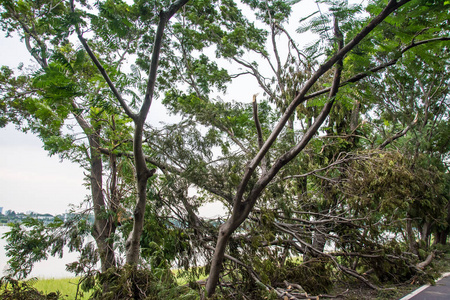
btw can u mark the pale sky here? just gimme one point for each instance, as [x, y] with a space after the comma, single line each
[30, 180]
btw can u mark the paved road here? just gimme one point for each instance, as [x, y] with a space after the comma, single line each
[440, 291]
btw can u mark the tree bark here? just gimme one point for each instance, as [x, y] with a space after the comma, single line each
[142, 175]
[217, 260]
[426, 262]
[412, 244]
[425, 233]
[103, 227]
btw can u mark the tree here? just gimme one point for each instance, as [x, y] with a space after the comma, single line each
[416, 113]
[36, 35]
[272, 166]
[253, 182]
[65, 84]
[143, 173]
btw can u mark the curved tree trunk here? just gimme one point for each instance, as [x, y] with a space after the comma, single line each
[104, 226]
[241, 207]
[142, 175]
[217, 260]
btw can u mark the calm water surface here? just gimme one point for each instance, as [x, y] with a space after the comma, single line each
[51, 268]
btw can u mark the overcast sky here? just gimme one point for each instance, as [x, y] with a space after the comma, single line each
[30, 180]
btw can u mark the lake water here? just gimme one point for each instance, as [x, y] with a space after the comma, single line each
[50, 268]
[56, 267]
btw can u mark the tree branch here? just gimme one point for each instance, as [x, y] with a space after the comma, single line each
[288, 156]
[257, 124]
[257, 75]
[102, 70]
[42, 60]
[174, 170]
[341, 267]
[259, 131]
[398, 134]
[164, 18]
[363, 75]
[300, 98]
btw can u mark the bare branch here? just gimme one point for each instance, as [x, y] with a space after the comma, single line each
[257, 75]
[257, 124]
[174, 170]
[259, 131]
[426, 262]
[294, 45]
[278, 60]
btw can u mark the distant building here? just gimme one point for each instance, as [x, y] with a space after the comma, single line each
[1, 210]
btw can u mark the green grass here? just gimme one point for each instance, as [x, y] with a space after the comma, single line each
[66, 286]
[181, 280]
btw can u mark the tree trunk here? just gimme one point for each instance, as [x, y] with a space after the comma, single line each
[411, 237]
[216, 262]
[142, 172]
[425, 233]
[241, 208]
[142, 175]
[441, 237]
[103, 227]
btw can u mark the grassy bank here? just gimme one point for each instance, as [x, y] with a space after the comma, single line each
[66, 286]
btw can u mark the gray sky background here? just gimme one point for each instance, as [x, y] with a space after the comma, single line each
[30, 180]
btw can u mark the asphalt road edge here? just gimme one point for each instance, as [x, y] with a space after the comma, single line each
[415, 292]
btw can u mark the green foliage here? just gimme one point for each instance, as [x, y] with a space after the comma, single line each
[381, 181]
[225, 117]
[32, 241]
[315, 276]
[163, 242]
[12, 289]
